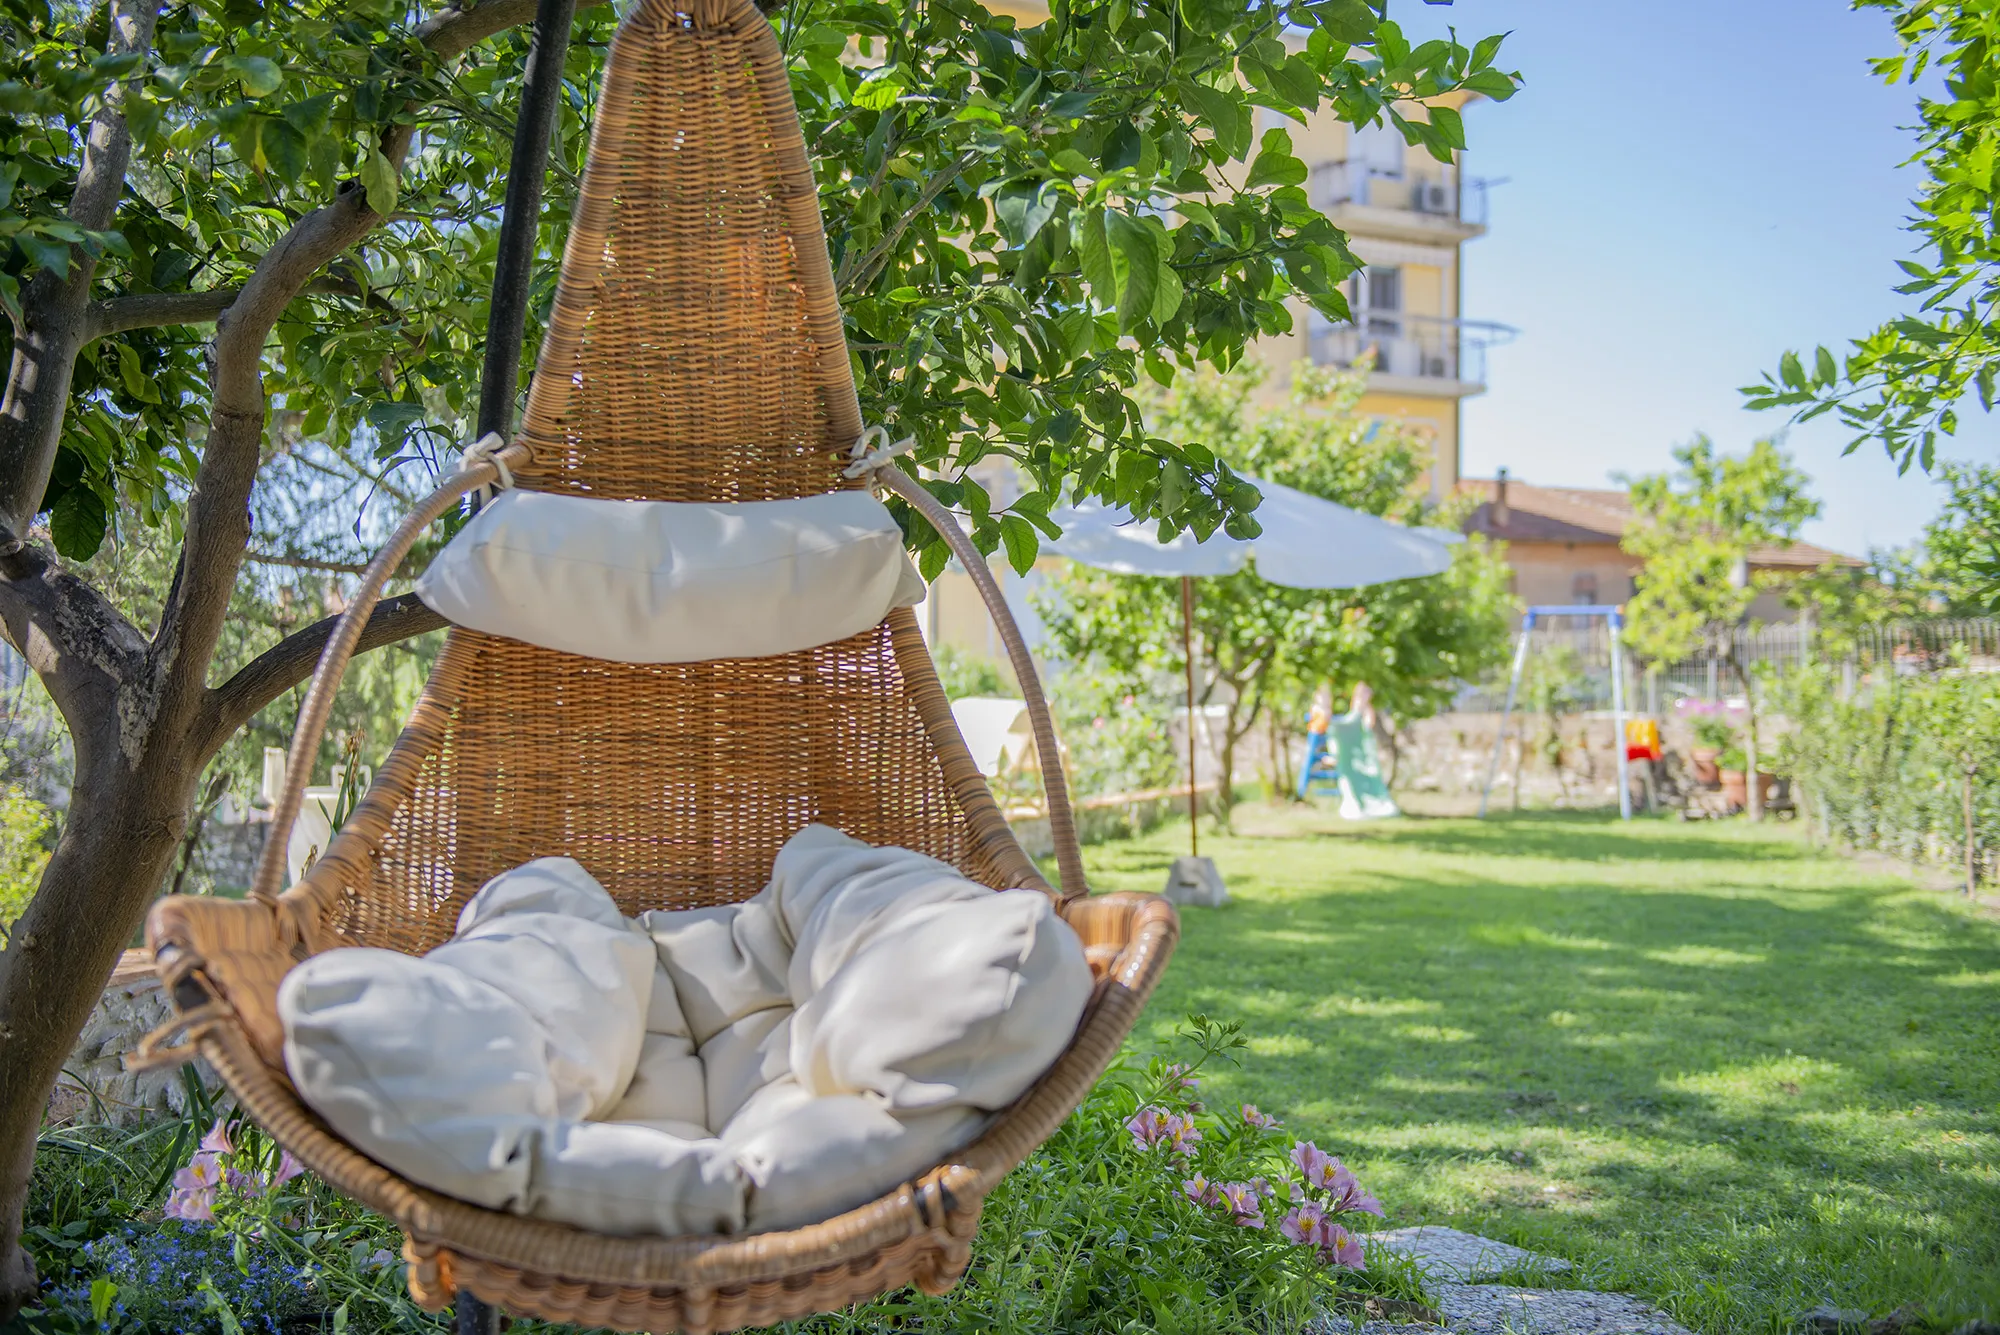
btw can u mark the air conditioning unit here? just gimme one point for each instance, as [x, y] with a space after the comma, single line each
[1431, 197]
[1434, 367]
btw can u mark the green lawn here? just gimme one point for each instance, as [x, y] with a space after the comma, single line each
[1712, 1066]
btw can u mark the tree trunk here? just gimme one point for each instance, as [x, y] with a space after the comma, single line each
[116, 848]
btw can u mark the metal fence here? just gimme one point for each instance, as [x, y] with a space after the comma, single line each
[1904, 647]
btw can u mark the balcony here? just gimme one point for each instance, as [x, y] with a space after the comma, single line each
[1430, 355]
[1444, 204]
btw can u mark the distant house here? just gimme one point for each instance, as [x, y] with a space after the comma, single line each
[1563, 544]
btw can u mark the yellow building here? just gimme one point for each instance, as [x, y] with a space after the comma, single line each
[1407, 217]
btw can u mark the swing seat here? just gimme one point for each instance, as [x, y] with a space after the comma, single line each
[694, 354]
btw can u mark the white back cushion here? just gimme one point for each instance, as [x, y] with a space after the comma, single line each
[669, 581]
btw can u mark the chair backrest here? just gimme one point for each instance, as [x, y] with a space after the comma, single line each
[695, 354]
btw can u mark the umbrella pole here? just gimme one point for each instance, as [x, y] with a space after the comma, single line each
[1187, 655]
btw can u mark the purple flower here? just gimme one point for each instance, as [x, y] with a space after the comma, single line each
[1200, 1190]
[217, 1139]
[1301, 1223]
[1245, 1207]
[194, 1207]
[1339, 1247]
[1178, 1073]
[1263, 1187]
[289, 1167]
[1262, 1121]
[1312, 1162]
[1183, 1133]
[1148, 1126]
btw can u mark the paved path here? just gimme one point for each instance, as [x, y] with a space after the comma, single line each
[1453, 1262]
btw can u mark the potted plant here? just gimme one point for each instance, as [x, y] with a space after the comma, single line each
[1733, 765]
[1712, 735]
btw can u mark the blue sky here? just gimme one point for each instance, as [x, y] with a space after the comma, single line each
[1693, 187]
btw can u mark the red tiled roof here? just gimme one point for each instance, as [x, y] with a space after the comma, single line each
[1591, 515]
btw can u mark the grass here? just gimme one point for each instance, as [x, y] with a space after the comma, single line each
[1711, 1065]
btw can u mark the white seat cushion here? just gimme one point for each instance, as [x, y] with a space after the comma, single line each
[673, 582]
[752, 1066]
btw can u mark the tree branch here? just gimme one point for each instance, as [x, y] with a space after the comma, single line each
[50, 332]
[81, 646]
[150, 310]
[218, 510]
[292, 660]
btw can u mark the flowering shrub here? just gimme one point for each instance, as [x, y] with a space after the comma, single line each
[1145, 1212]
[1314, 1190]
[171, 1278]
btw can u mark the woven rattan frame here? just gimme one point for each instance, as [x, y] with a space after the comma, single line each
[695, 353]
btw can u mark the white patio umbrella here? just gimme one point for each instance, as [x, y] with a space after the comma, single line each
[1307, 543]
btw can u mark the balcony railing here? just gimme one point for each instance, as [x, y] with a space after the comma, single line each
[1451, 195]
[1429, 347]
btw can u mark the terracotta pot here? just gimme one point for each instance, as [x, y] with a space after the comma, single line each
[1702, 761]
[1736, 788]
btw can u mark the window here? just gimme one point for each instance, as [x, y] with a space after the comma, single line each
[1378, 149]
[1583, 589]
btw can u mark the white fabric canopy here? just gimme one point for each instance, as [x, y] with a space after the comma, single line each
[1307, 543]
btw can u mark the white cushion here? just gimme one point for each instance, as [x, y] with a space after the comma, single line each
[457, 1069]
[673, 582]
[753, 1066]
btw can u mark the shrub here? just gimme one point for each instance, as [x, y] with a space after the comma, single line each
[24, 834]
[1146, 1211]
[1896, 766]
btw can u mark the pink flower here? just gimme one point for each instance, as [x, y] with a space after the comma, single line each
[1178, 1073]
[1339, 1247]
[1200, 1190]
[1182, 1131]
[1148, 1126]
[1263, 1187]
[1312, 1162]
[1245, 1207]
[1346, 1194]
[1262, 1121]
[195, 1207]
[288, 1168]
[1301, 1223]
[203, 1173]
[217, 1139]
[247, 1184]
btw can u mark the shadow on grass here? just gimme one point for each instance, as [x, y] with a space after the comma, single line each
[1690, 1036]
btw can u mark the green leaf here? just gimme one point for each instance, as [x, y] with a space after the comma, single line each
[1023, 208]
[1450, 125]
[378, 178]
[1135, 263]
[49, 254]
[1493, 84]
[879, 89]
[1221, 114]
[1827, 372]
[1122, 147]
[78, 523]
[1021, 541]
[135, 380]
[932, 560]
[1351, 21]
[1093, 255]
[1275, 164]
[1486, 50]
[1791, 372]
[259, 76]
[10, 172]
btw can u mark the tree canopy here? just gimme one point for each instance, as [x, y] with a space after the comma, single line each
[1695, 529]
[1904, 383]
[1262, 647]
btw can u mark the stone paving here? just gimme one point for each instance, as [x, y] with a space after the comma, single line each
[1453, 1262]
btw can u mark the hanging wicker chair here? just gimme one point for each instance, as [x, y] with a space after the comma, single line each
[695, 353]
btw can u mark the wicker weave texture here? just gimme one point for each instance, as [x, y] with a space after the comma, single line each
[694, 353]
